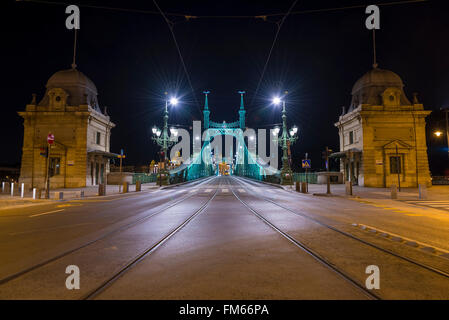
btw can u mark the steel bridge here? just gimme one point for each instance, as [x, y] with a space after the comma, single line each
[244, 162]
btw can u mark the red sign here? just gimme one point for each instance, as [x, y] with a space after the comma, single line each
[50, 138]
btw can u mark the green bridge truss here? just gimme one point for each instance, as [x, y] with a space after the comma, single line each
[202, 164]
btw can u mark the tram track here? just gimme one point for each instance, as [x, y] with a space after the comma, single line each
[323, 261]
[146, 252]
[353, 237]
[113, 232]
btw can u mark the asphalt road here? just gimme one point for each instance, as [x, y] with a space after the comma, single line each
[218, 238]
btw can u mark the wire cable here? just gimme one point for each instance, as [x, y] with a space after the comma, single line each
[189, 16]
[170, 26]
[279, 26]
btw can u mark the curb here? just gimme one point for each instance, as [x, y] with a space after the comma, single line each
[424, 247]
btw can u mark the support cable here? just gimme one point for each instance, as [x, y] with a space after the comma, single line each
[279, 26]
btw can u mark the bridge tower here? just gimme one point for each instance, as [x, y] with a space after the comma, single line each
[206, 111]
[242, 111]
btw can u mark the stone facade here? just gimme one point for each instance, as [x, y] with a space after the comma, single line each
[382, 135]
[80, 154]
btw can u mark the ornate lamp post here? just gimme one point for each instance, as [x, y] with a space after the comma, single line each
[164, 142]
[288, 137]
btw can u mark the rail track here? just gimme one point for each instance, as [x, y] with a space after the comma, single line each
[334, 229]
[323, 261]
[102, 237]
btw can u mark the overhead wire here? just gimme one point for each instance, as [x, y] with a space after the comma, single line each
[170, 27]
[189, 16]
[279, 26]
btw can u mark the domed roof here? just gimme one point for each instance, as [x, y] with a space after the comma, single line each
[370, 87]
[378, 77]
[71, 77]
[81, 90]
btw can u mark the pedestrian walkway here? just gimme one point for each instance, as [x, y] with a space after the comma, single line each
[434, 193]
[8, 201]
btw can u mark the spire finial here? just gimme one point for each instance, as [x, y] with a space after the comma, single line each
[242, 106]
[375, 65]
[206, 102]
[74, 51]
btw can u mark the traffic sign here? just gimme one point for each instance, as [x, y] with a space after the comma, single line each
[307, 163]
[50, 138]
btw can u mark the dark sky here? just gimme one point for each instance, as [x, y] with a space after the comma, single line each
[132, 59]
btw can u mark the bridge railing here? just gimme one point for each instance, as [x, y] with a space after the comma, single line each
[310, 177]
[144, 177]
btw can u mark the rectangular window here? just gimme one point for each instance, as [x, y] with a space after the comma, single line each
[98, 139]
[55, 166]
[395, 165]
[351, 137]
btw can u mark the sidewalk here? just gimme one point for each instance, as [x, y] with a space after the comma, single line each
[435, 193]
[7, 201]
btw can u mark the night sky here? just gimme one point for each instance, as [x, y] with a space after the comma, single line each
[132, 59]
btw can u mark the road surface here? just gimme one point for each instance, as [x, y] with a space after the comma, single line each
[222, 238]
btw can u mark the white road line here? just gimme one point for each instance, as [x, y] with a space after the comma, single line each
[41, 214]
[241, 190]
[193, 190]
[224, 190]
[208, 190]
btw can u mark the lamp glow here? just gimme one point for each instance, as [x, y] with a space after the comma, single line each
[276, 100]
[173, 101]
[438, 133]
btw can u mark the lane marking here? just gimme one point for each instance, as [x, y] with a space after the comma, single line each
[241, 190]
[224, 190]
[192, 190]
[208, 190]
[41, 214]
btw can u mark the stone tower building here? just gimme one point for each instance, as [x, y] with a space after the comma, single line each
[382, 134]
[70, 111]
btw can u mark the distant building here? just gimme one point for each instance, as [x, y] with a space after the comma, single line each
[382, 134]
[70, 111]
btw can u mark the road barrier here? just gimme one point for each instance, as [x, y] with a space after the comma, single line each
[304, 187]
[422, 191]
[348, 187]
[125, 187]
[394, 191]
[101, 189]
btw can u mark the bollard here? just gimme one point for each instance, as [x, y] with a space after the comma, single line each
[60, 195]
[303, 187]
[82, 194]
[3, 186]
[22, 190]
[422, 191]
[12, 189]
[125, 187]
[138, 186]
[297, 186]
[34, 193]
[101, 189]
[348, 186]
[394, 191]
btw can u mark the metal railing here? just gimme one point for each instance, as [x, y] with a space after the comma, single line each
[310, 177]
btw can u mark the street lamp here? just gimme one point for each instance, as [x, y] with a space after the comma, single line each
[438, 133]
[288, 137]
[164, 141]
